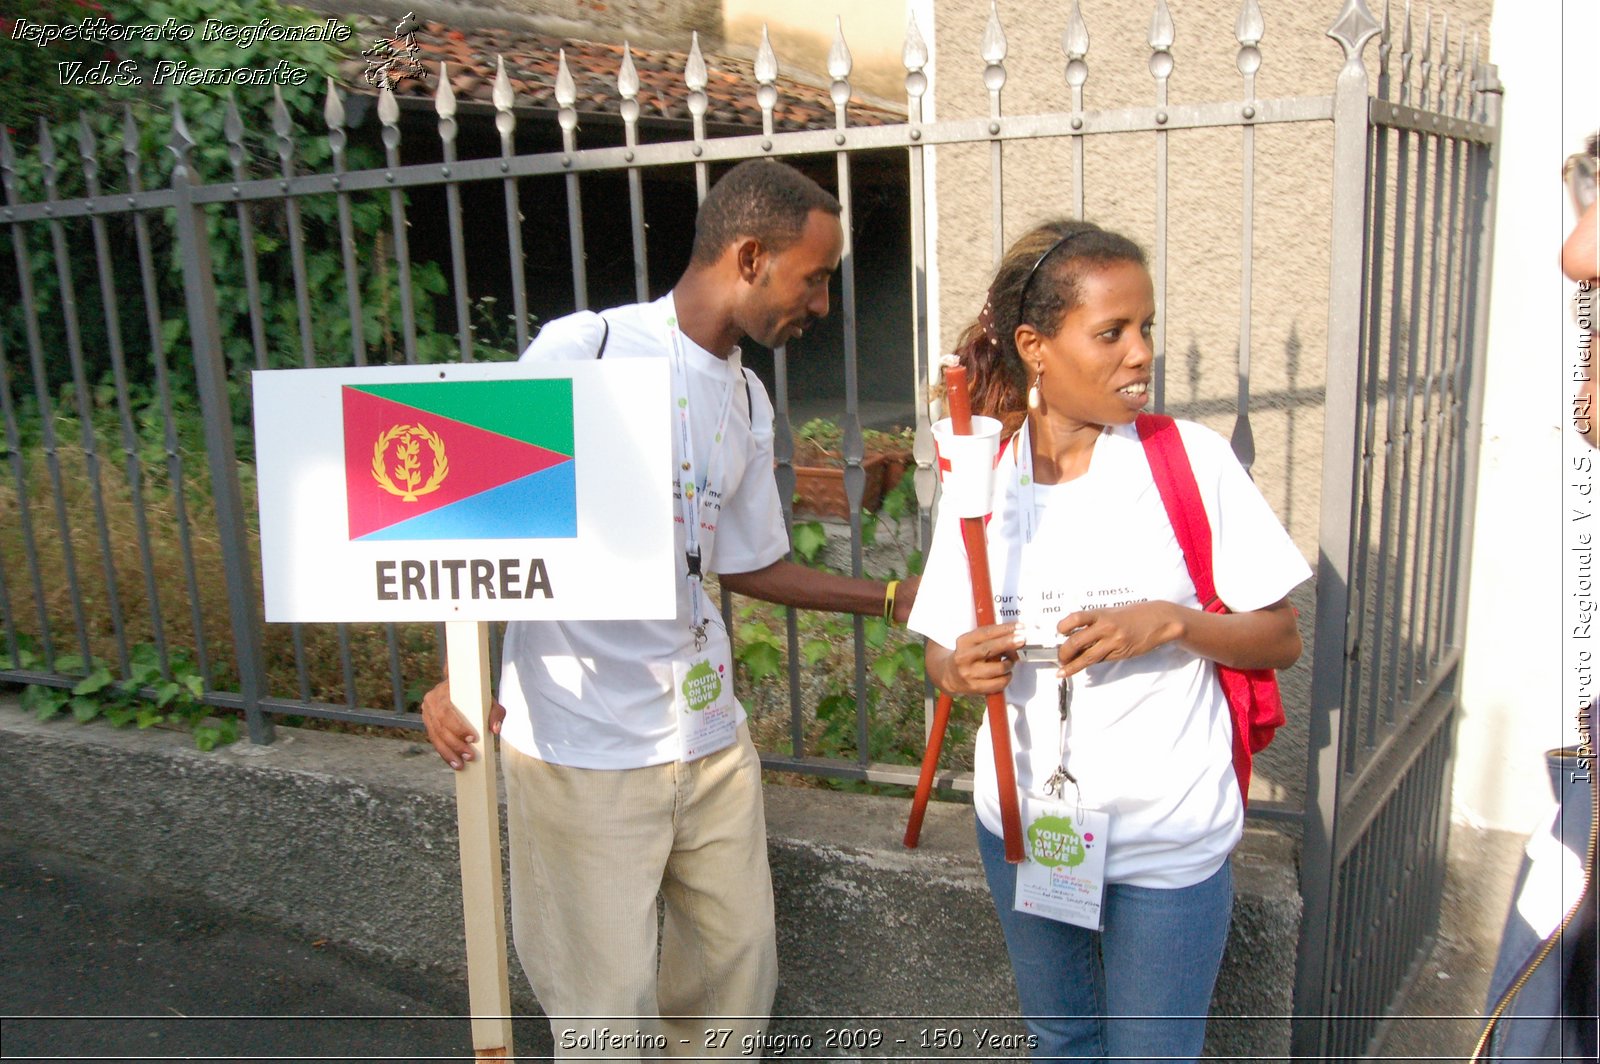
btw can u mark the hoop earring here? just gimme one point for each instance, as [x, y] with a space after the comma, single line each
[1033, 390]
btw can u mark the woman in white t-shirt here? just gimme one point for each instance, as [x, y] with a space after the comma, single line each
[1122, 738]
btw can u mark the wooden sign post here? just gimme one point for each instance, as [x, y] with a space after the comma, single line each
[483, 899]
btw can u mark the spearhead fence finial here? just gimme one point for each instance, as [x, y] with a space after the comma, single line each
[1075, 43]
[1355, 26]
[839, 66]
[181, 145]
[503, 96]
[695, 75]
[1162, 34]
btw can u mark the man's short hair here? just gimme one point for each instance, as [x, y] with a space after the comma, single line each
[760, 198]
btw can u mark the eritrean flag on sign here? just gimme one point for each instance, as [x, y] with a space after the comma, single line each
[460, 460]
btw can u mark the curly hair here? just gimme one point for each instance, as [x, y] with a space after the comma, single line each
[762, 198]
[1037, 283]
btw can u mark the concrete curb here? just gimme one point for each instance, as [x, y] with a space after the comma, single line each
[353, 838]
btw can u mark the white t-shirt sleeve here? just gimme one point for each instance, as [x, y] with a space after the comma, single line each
[1253, 560]
[572, 338]
[750, 532]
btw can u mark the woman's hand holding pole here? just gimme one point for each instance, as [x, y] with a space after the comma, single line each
[972, 534]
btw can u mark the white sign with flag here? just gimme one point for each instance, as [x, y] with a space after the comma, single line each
[466, 491]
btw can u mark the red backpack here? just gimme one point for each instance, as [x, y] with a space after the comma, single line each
[1252, 694]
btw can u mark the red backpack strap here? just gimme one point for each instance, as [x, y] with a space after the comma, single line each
[1174, 477]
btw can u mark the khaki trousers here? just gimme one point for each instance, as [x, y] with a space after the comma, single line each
[590, 851]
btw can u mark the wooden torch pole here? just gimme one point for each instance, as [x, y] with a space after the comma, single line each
[1005, 772]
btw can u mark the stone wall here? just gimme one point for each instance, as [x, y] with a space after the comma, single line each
[353, 838]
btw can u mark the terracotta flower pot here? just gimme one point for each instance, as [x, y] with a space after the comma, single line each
[819, 490]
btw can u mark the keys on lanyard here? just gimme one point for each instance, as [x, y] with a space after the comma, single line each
[1056, 785]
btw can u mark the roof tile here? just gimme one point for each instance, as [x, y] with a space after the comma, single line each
[531, 64]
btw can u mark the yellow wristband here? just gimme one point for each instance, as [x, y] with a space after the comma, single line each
[888, 600]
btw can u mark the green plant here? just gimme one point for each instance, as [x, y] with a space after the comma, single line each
[306, 657]
[147, 696]
[825, 645]
[207, 111]
[809, 539]
[820, 442]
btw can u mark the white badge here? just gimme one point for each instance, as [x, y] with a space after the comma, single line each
[1064, 875]
[702, 690]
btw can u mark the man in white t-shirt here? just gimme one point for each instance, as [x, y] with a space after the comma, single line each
[629, 769]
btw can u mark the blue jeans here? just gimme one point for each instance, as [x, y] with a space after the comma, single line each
[1139, 990]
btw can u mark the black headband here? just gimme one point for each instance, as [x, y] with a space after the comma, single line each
[1022, 298]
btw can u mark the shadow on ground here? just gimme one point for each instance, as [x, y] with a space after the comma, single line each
[94, 964]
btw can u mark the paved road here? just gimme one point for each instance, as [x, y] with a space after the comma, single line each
[95, 965]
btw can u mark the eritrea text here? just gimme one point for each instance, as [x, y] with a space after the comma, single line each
[410, 579]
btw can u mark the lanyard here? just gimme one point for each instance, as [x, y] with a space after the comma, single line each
[693, 489]
[1022, 464]
[1028, 513]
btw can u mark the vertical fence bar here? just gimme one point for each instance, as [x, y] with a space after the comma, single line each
[567, 119]
[1423, 564]
[389, 118]
[444, 105]
[333, 115]
[1075, 43]
[695, 79]
[1354, 27]
[176, 480]
[783, 456]
[89, 152]
[1247, 31]
[41, 391]
[1453, 332]
[766, 73]
[211, 380]
[1378, 645]
[233, 131]
[1416, 339]
[8, 420]
[914, 57]
[994, 48]
[347, 666]
[1162, 34]
[628, 86]
[505, 124]
[1359, 646]
[1471, 390]
[83, 396]
[1358, 642]
[19, 473]
[283, 126]
[1460, 288]
[839, 64]
[1473, 282]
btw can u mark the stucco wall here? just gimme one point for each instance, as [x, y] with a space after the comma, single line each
[1291, 217]
[1293, 186]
